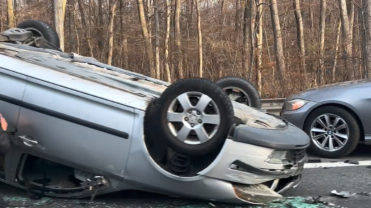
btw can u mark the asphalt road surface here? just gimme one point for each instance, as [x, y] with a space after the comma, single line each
[314, 191]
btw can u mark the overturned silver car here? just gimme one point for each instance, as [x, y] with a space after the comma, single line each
[76, 127]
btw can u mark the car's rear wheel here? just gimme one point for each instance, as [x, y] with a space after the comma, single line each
[193, 117]
[41, 29]
[334, 132]
[240, 90]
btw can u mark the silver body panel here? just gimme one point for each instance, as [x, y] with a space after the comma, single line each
[96, 126]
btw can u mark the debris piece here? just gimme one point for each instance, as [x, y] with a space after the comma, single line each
[344, 194]
[211, 204]
[351, 162]
[310, 200]
[368, 166]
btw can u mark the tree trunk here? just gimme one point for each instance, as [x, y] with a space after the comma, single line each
[336, 51]
[300, 35]
[76, 30]
[252, 34]
[167, 37]
[260, 47]
[221, 18]
[178, 39]
[246, 28]
[157, 35]
[346, 37]
[124, 40]
[322, 40]
[100, 24]
[280, 59]
[84, 22]
[199, 34]
[146, 37]
[237, 17]
[59, 15]
[111, 32]
[351, 26]
[366, 11]
[11, 18]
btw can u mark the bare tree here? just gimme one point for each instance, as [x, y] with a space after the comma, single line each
[252, 34]
[336, 50]
[157, 35]
[84, 22]
[280, 59]
[59, 15]
[346, 36]
[199, 34]
[124, 40]
[246, 29]
[322, 40]
[11, 18]
[366, 13]
[167, 37]
[110, 31]
[147, 38]
[259, 46]
[300, 33]
[178, 38]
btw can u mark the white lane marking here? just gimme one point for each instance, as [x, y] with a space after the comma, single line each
[336, 164]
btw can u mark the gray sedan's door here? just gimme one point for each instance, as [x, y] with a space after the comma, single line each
[11, 92]
[74, 129]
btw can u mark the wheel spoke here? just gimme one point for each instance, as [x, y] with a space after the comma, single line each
[328, 123]
[183, 133]
[184, 101]
[323, 144]
[318, 130]
[343, 126]
[321, 122]
[211, 119]
[337, 119]
[344, 136]
[330, 143]
[174, 117]
[318, 136]
[203, 102]
[201, 134]
[338, 141]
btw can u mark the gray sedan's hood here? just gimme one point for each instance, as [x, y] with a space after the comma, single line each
[327, 91]
[255, 118]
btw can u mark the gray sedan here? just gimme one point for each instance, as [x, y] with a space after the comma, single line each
[337, 117]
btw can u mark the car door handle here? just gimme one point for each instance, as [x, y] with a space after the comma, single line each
[28, 141]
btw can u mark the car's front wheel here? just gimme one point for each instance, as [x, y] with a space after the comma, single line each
[334, 132]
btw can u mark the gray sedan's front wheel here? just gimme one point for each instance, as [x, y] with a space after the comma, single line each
[334, 132]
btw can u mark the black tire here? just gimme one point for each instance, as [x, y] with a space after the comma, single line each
[157, 150]
[244, 85]
[41, 29]
[354, 131]
[161, 129]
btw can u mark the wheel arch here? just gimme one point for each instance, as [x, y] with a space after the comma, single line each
[343, 106]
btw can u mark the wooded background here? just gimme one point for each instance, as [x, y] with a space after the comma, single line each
[281, 46]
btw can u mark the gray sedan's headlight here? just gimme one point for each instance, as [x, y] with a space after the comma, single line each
[296, 104]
